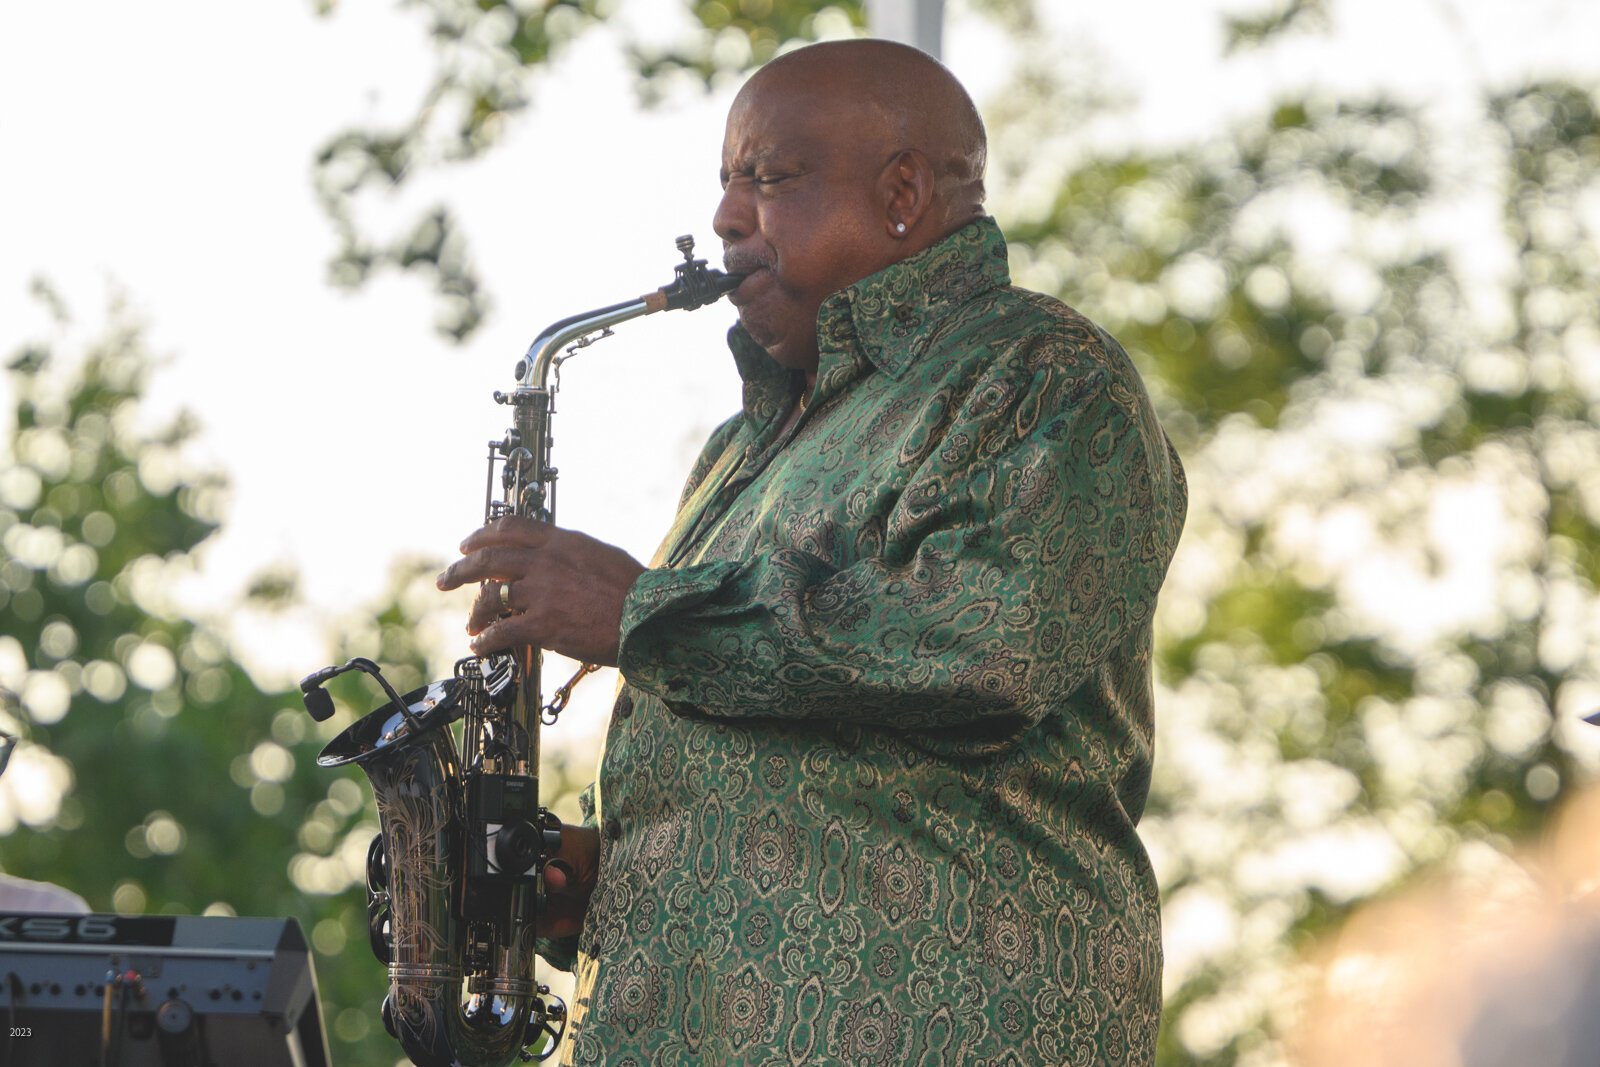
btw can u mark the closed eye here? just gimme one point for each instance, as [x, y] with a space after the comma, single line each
[764, 179]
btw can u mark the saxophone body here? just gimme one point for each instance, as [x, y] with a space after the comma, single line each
[455, 875]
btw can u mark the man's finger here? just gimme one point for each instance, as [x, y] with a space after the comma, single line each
[509, 530]
[486, 608]
[505, 564]
[503, 633]
[557, 876]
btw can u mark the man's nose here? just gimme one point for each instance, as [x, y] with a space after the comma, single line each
[734, 219]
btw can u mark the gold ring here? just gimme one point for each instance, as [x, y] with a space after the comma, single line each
[505, 595]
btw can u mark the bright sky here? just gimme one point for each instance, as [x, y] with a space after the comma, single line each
[162, 151]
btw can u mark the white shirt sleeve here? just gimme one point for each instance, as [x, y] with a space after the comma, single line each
[22, 894]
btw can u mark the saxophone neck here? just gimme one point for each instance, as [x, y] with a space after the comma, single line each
[694, 285]
[535, 368]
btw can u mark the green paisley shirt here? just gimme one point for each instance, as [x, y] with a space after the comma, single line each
[869, 788]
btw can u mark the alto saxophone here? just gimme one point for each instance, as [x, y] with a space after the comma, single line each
[455, 876]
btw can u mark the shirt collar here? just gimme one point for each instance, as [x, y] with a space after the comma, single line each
[887, 319]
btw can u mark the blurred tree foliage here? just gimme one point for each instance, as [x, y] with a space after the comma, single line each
[1387, 589]
[490, 54]
[155, 775]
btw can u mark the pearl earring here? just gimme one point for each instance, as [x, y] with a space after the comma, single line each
[899, 227]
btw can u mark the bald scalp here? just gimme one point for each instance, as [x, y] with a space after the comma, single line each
[905, 100]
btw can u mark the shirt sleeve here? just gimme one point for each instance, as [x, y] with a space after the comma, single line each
[1029, 543]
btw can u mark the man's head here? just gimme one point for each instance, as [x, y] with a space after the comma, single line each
[840, 159]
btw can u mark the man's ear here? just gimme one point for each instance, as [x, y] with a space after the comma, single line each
[907, 184]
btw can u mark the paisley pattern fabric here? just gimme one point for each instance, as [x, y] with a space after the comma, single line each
[869, 789]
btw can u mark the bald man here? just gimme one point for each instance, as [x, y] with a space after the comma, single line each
[869, 789]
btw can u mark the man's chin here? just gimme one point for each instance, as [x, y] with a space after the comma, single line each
[785, 352]
[763, 338]
[774, 335]
[758, 326]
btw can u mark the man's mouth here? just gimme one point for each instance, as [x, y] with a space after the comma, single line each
[747, 288]
[751, 265]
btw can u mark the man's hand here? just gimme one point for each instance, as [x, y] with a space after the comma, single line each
[569, 879]
[563, 590]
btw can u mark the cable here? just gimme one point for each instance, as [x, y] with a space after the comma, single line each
[125, 983]
[114, 983]
[105, 1019]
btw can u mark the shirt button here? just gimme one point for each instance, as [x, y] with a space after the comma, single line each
[612, 828]
[624, 707]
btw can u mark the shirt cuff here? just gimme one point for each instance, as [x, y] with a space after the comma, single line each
[560, 953]
[654, 613]
[663, 588]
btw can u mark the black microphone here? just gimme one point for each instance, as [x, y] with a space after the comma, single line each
[319, 704]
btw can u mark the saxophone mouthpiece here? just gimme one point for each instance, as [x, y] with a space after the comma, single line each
[694, 286]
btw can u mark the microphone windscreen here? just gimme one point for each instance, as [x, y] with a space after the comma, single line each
[319, 704]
